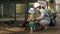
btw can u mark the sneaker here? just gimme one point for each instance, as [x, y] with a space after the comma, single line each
[44, 28]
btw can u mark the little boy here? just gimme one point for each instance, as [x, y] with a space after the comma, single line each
[31, 20]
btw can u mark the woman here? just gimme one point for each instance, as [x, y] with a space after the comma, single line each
[43, 18]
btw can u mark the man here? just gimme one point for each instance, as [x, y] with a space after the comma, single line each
[43, 18]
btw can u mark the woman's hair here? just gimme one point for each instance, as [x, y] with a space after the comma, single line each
[39, 7]
[43, 7]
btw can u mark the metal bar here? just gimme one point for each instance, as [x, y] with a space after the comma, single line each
[26, 12]
[2, 10]
[47, 4]
[15, 11]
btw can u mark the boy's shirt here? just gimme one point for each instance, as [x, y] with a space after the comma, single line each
[30, 17]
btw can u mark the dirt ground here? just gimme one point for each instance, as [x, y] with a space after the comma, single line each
[19, 30]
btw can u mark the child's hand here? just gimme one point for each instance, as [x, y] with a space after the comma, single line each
[32, 19]
[29, 19]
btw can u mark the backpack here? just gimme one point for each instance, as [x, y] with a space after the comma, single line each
[52, 19]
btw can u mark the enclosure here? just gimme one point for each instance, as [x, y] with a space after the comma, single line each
[14, 13]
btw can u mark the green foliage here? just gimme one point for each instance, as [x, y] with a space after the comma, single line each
[50, 13]
[30, 5]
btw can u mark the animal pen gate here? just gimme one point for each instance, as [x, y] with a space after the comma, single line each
[14, 11]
